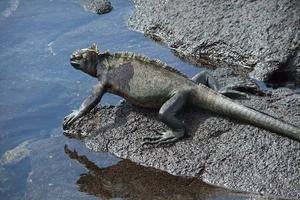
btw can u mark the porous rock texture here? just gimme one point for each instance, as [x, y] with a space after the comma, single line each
[218, 149]
[255, 38]
[96, 6]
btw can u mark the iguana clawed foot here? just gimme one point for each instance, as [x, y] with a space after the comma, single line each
[234, 89]
[231, 90]
[70, 119]
[234, 94]
[164, 138]
[238, 89]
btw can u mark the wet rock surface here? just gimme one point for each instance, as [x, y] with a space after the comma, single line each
[255, 38]
[218, 150]
[97, 6]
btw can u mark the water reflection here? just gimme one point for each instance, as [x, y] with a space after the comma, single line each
[130, 181]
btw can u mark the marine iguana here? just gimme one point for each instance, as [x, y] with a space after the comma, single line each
[151, 83]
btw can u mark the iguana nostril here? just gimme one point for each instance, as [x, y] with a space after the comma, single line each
[72, 56]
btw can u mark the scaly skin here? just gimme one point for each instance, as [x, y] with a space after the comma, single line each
[153, 84]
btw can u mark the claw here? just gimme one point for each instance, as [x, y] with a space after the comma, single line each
[151, 138]
[167, 142]
[164, 138]
[234, 94]
[69, 119]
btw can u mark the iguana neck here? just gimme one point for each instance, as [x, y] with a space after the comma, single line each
[103, 65]
[103, 60]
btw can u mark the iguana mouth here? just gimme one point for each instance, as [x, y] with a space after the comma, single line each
[74, 63]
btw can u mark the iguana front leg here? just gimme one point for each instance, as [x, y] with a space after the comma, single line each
[88, 104]
[229, 90]
[167, 114]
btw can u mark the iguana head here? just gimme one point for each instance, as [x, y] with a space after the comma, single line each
[86, 59]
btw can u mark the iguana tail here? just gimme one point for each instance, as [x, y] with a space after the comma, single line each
[211, 100]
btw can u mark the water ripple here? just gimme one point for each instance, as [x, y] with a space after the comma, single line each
[14, 4]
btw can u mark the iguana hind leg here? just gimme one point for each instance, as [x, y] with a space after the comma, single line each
[206, 79]
[228, 90]
[167, 114]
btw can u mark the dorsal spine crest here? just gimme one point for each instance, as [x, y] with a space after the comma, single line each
[145, 59]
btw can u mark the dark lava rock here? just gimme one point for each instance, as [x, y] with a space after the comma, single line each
[218, 150]
[255, 38]
[97, 6]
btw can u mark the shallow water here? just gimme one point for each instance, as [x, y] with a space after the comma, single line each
[38, 88]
